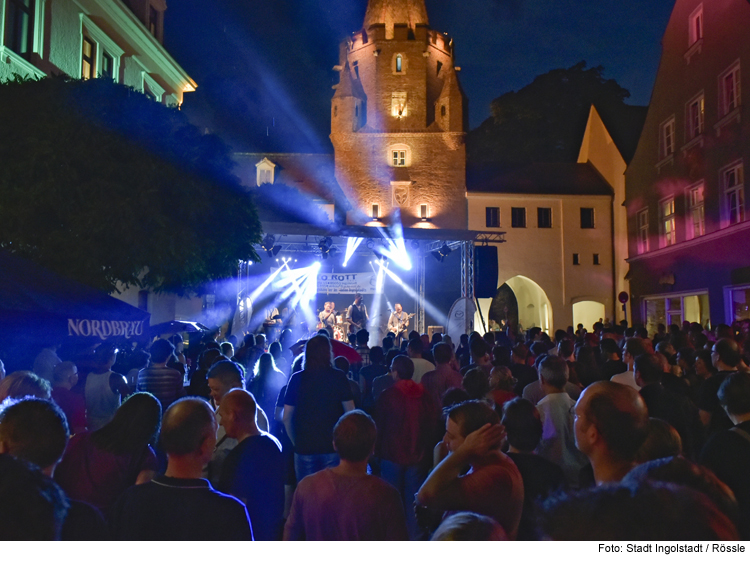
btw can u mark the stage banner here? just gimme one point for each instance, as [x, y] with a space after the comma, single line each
[346, 283]
[461, 318]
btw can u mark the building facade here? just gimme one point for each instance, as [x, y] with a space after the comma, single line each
[685, 187]
[398, 119]
[119, 39]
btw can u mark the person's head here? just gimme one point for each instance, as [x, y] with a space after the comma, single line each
[479, 352]
[238, 413]
[726, 354]
[398, 308]
[566, 348]
[34, 430]
[476, 383]
[523, 426]
[451, 397]
[318, 353]
[501, 356]
[326, 307]
[554, 372]
[105, 355]
[414, 348]
[734, 395]
[609, 348]
[376, 355]
[402, 368]
[648, 511]
[464, 419]
[648, 369]
[611, 420]
[65, 374]
[189, 430]
[222, 377]
[208, 358]
[340, 362]
[275, 350]
[502, 378]
[387, 343]
[489, 338]
[354, 436]
[227, 349]
[520, 352]
[161, 351]
[704, 366]
[33, 505]
[679, 470]
[134, 425]
[357, 299]
[363, 336]
[24, 383]
[633, 348]
[468, 526]
[662, 441]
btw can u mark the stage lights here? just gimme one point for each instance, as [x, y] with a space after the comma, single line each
[442, 253]
[351, 246]
[268, 246]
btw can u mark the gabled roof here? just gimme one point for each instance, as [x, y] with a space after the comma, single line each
[312, 174]
[537, 179]
[624, 125]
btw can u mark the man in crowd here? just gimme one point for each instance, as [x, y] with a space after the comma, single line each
[181, 505]
[634, 347]
[493, 486]
[421, 365]
[407, 419]
[45, 362]
[558, 441]
[480, 357]
[253, 471]
[611, 424]
[725, 357]
[344, 502]
[161, 381]
[445, 375]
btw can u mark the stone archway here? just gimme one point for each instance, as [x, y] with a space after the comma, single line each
[504, 307]
[533, 307]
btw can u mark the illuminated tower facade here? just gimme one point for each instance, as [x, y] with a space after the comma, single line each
[398, 120]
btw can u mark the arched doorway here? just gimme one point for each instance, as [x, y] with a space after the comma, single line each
[521, 301]
[587, 312]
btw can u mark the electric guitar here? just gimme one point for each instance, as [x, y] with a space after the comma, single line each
[403, 326]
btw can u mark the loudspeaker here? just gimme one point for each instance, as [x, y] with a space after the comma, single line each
[485, 272]
[435, 330]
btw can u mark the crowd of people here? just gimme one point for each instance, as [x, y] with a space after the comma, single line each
[604, 435]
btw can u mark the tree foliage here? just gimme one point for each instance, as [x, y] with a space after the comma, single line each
[544, 121]
[103, 185]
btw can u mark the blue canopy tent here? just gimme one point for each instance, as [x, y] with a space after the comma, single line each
[39, 307]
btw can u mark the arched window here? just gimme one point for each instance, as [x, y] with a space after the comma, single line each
[442, 111]
[399, 63]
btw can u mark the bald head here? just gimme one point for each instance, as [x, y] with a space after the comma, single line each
[186, 425]
[237, 414]
[618, 413]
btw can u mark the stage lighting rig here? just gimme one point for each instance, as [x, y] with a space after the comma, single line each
[326, 248]
[442, 253]
[268, 245]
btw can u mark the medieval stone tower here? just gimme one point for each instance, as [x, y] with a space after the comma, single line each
[398, 120]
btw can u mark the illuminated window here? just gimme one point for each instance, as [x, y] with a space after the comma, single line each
[642, 222]
[493, 217]
[88, 59]
[697, 211]
[733, 183]
[696, 112]
[424, 211]
[666, 142]
[587, 218]
[398, 104]
[264, 172]
[399, 64]
[729, 86]
[544, 217]
[375, 212]
[696, 25]
[518, 217]
[668, 229]
[399, 158]
[19, 26]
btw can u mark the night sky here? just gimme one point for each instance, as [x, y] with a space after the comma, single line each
[264, 67]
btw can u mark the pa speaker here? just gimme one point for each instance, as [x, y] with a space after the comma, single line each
[485, 272]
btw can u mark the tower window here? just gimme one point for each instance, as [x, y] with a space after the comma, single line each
[355, 65]
[399, 157]
[544, 217]
[399, 64]
[596, 259]
[442, 111]
[375, 212]
[335, 111]
[439, 67]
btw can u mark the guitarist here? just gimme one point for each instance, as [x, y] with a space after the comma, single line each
[356, 315]
[399, 322]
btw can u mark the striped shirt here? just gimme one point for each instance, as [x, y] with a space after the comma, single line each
[164, 383]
